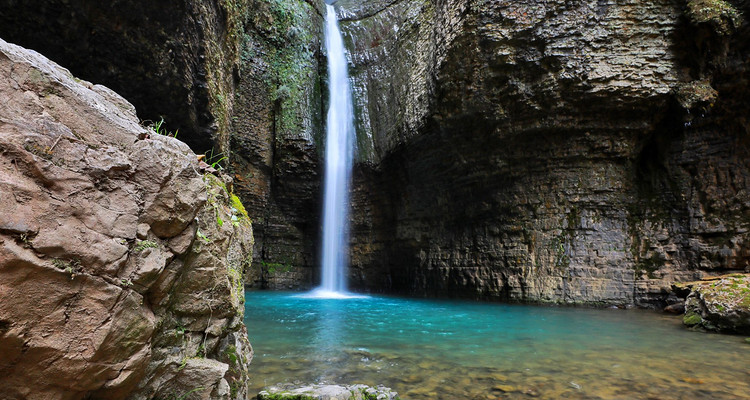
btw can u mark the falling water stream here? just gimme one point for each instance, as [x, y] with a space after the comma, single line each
[338, 165]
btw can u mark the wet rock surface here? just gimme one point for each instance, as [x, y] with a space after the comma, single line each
[536, 151]
[106, 288]
[720, 304]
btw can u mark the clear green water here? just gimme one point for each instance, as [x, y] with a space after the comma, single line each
[434, 349]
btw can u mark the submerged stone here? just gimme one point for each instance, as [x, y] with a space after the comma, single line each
[328, 392]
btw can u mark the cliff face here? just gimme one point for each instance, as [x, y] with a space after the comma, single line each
[590, 152]
[117, 279]
[277, 131]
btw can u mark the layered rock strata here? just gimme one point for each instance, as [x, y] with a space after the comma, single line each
[189, 62]
[550, 151]
[593, 152]
[277, 136]
[117, 279]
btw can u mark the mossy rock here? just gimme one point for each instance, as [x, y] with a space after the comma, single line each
[720, 303]
[331, 392]
[720, 14]
[692, 319]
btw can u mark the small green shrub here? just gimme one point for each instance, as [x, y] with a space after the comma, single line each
[215, 160]
[158, 127]
[145, 244]
[72, 267]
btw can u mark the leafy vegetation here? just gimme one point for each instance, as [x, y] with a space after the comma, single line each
[215, 160]
[72, 267]
[145, 244]
[160, 129]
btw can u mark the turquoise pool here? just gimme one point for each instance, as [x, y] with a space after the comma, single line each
[438, 349]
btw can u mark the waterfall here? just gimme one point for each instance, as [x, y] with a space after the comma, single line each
[338, 164]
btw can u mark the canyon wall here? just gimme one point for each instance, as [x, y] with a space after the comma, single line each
[121, 261]
[534, 151]
[175, 60]
[589, 152]
[276, 138]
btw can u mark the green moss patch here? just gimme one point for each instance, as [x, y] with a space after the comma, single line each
[236, 204]
[722, 15]
[692, 319]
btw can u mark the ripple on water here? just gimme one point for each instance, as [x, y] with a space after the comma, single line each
[462, 350]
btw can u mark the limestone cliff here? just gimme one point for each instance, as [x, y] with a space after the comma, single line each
[549, 151]
[238, 77]
[275, 142]
[120, 262]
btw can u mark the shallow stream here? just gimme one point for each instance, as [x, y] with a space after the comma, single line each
[438, 349]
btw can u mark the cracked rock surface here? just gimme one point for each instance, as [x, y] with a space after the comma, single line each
[98, 225]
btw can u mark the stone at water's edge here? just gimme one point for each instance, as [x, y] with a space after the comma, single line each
[329, 392]
[109, 285]
[720, 304]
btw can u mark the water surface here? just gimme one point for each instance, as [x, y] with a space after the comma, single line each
[435, 349]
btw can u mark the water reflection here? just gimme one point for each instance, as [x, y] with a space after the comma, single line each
[326, 342]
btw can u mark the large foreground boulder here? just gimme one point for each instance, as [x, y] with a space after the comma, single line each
[98, 250]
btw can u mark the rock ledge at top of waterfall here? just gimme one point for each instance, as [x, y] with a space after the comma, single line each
[328, 392]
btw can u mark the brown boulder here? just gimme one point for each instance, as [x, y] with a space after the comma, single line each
[85, 272]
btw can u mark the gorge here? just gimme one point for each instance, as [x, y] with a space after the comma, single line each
[589, 153]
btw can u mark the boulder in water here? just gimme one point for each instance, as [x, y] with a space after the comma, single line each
[328, 392]
[720, 304]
